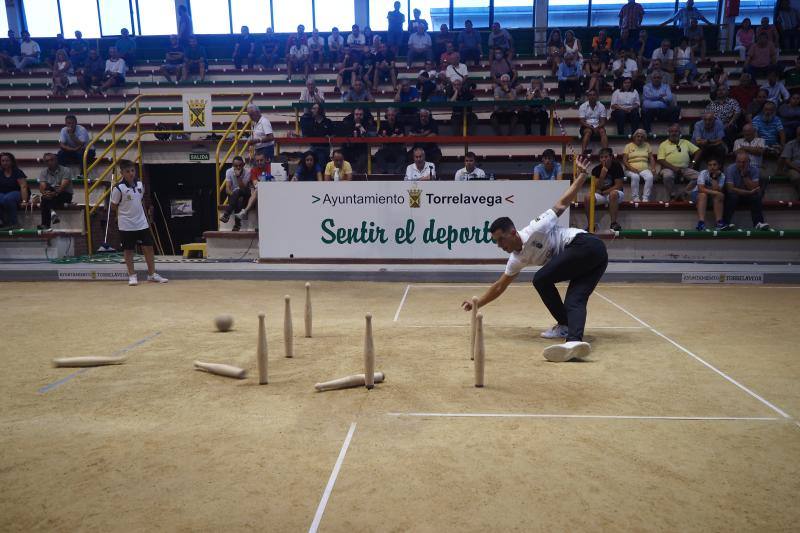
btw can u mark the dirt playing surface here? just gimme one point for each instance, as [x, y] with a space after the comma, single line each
[645, 436]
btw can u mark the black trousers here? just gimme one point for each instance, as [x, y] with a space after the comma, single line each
[569, 85]
[534, 115]
[732, 201]
[620, 117]
[582, 263]
[67, 158]
[237, 200]
[48, 204]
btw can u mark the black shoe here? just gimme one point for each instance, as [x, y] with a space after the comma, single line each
[616, 227]
[237, 226]
[42, 227]
[224, 218]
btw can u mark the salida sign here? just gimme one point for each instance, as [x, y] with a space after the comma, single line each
[394, 220]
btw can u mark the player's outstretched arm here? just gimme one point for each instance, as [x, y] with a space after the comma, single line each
[583, 172]
[492, 293]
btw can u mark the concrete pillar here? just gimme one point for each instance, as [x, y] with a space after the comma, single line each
[540, 31]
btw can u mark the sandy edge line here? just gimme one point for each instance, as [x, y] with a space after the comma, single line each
[589, 417]
[402, 302]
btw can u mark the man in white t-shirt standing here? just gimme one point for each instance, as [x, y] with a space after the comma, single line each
[470, 171]
[262, 138]
[126, 199]
[566, 254]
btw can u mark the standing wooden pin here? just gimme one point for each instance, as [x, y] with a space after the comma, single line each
[480, 350]
[369, 355]
[287, 327]
[308, 310]
[472, 327]
[261, 350]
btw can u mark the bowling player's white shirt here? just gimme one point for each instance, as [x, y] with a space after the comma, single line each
[542, 239]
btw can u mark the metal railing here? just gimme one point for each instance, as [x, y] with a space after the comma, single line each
[233, 150]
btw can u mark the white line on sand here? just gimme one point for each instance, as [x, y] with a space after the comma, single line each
[510, 326]
[697, 358]
[597, 417]
[403, 301]
[329, 487]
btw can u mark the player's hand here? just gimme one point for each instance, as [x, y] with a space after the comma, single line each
[582, 162]
[466, 305]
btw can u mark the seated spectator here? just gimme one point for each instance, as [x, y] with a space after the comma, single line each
[445, 57]
[709, 136]
[299, 38]
[470, 171]
[676, 157]
[456, 70]
[776, 91]
[745, 36]
[55, 185]
[63, 73]
[756, 105]
[78, 49]
[238, 191]
[655, 66]
[504, 115]
[347, 71]
[262, 139]
[469, 44]
[594, 74]
[592, 115]
[90, 74]
[569, 77]
[426, 126]
[750, 144]
[244, 48]
[602, 45]
[308, 169]
[335, 47]
[444, 37]
[770, 128]
[391, 157]
[440, 90]
[357, 93]
[666, 55]
[710, 183]
[416, 22]
[639, 162]
[297, 60]
[500, 39]
[717, 77]
[625, 66]
[425, 85]
[625, 107]
[791, 76]
[394, 35]
[549, 168]
[697, 39]
[627, 41]
[762, 57]
[419, 45]
[535, 114]
[126, 47]
[727, 111]
[13, 191]
[382, 67]
[311, 93]
[789, 113]
[173, 60]
[573, 46]
[72, 141]
[685, 68]
[338, 169]
[645, 47]
[29, 52]
[743, 186]
[261, 171]
[316, 124]
[316, 49]
[369, 39]
[9, 48]
[787, 22]
[269, 50]
[555, 50]
[658, 103]
[770, 31]
[610, 178]
[420, 169]
[432, 71]
[462, 92]
[501, 65]
[195, 59]
[407, 93]
[790, 160]
[357, 124]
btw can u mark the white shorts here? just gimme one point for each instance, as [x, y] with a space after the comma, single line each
[602, 199]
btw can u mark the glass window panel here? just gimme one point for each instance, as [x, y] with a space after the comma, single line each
[157, 17]
[755, 9]
[255, 14]
[475, 10]
[211, 17]
[115, 15]
[435, 12]
[42, 18]
[567, 13]
[378, 9]
[291, 13]
[331, 13]
[514, 13]
[606, 12]
[3, 23]
[80, 15]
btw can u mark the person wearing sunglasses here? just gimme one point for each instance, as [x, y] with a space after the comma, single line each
[676, 157]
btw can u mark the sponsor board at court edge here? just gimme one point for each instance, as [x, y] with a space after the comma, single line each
[90, 275]
[395, 220]
[730, 278]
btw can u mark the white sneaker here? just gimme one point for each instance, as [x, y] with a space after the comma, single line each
[559, 353]
[157, 278]
[635, 199]
[241, 215]
[556, 332]
[762, 226]
[133, 280]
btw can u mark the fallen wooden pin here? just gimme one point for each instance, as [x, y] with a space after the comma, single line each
[356, 380]
[88, 361]
[229, 371]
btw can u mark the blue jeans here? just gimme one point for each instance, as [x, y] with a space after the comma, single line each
[688, 67]
[22, 62]
[268, 151]
[8, 206]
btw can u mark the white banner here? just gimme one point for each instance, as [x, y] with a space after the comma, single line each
[92, 275]
[395, 219]
[732, 278]
[197, 112]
